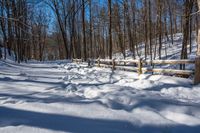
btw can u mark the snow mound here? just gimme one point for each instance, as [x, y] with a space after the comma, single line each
[183, 93]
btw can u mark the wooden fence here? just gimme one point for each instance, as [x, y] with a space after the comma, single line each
[141, 66]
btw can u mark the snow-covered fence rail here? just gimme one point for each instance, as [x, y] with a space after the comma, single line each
[77, 60]
[171, 62]
[140, 66]
[169, 71]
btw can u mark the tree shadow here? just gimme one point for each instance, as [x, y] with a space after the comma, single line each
[11, 80]
[66, 123]
[56, 122]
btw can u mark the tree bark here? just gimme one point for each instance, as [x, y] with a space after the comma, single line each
[198, 36]
[83, 25]
[160, 26]
[110, 28]
[150, 28]
[91, 45]
[188, 7]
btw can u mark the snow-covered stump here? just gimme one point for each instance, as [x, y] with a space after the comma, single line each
[197, 70]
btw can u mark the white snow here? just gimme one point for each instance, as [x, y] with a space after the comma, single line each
[60, 96]
[168, 50]
[67, 97]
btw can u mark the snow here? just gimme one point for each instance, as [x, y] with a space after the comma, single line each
[168, 51]
[67, 97]
[61, 96]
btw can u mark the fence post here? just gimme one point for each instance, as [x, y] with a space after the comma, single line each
[113, 64]
[98, 62]
[139, 66]
[89, 63]
[197, 70]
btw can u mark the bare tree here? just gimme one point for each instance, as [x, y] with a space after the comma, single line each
[188, 7]
[83, 25]
[198, 36]
[110, 27]
[61, 18]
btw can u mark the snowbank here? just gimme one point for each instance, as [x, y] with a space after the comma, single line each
[66, 97]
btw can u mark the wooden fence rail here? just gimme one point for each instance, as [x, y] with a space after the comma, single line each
[140, 66]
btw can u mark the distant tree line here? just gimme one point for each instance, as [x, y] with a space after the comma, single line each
[23, 29]
[95, 28]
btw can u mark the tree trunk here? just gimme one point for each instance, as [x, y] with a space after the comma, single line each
[150, 28]
[110, 28]
[188, 8]
[171, 22]
[83, 25]
[198, 36]
[146, 29]
[160, 27]
[91, 45]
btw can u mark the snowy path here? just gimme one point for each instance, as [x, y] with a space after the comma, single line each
[65, 97]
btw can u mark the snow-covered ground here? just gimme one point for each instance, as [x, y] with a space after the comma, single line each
[61, 96]
[168, 51]
[67, 97]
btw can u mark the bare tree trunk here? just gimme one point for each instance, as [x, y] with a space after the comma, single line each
[83, 25]
[91, 45]
[124, 32]
[160, 27]
[150, 28]
[129, 27]
[133, 5]
[110, 28]
[174, 19]
[188, 8]
[166, 31]
[198, 36]
[190, 34]
[146, 29]
[118, 28]
[62, 27]
[171, 22]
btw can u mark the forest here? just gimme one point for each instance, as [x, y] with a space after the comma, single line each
[99, 66]
[66, 29]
